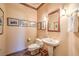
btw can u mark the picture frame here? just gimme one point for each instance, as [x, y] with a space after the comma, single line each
[38, 25]
[23, 23]
[43, 25]
[1, 21]
[12, 22]
[32, 24]
[54, 21]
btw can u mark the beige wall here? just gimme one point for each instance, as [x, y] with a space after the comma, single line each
[17, 36]
[14, 39]
[76, 43]
[2, 36]
[73, 37]
[70, 40]
[62, 49]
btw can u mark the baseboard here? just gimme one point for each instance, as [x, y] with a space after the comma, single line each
[16, 52]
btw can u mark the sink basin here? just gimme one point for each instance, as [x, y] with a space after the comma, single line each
[51, 41]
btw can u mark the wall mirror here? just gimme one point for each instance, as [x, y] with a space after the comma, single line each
[1, 20]
[54, 21]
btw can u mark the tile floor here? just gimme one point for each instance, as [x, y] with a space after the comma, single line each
[25, 52]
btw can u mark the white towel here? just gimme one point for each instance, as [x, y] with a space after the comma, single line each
[73, 24]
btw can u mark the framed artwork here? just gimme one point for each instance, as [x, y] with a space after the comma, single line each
[23, 23]
[12, 22]
[54, 21]
[1, 21]
[43, 25]
[38, 25]
[32, 24]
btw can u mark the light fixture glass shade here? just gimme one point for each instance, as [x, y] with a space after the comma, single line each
[62, 12]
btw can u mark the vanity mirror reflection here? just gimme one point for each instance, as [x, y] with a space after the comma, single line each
[54, 21]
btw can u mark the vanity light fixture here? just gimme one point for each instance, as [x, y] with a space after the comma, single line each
[63, 10]
[75, 11]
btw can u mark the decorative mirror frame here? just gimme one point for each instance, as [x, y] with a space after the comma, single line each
[54, 24]
[1, 21]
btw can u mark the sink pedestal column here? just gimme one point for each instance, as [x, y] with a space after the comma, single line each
[50, 50]
[51, 43]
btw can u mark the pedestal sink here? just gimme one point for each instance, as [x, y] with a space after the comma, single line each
[51, 43]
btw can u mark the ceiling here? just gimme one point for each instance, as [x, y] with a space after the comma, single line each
[35, 5]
